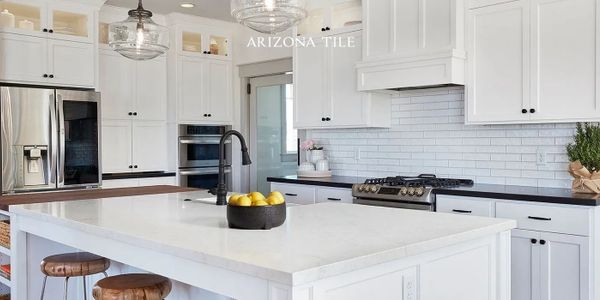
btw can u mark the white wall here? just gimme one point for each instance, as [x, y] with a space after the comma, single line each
[428, 135]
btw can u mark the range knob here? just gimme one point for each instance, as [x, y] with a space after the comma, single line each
[373, 189]
[419, 192]
[403, 191]
[411, 191]
[360, 188]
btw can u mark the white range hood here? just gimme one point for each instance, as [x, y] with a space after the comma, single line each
[412, 44]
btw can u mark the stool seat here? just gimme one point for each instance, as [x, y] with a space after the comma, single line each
[74, 264]
[132, 287]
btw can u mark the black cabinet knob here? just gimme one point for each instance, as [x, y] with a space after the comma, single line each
[328, 119]
[327, 28]
[532, 111]
[524, 111]
[45, 75]
[135, 167]
[51, 76]
[210, 115]
[45, 30]
[323, 29]
[542, 242]
[130, 113]
[533, 241]
[208, 52]
[130, 166]
[205, 115]
[135, 113]
[323, 119]
[51, 31]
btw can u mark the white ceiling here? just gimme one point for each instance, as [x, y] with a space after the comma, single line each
[215, 9]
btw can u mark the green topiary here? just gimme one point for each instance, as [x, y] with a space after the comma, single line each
[586, 147]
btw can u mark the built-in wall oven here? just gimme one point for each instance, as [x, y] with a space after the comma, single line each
[199, 156]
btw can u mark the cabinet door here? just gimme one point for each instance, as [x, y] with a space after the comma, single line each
[498, 72]
[116, 85]
[564, 49]
[192, 89]
[565, 267]
[525, 265]
[23, 58]
[295, 193]
[149, 146]
[219, 100]
[346, 106]
[70, 21]
[379, 28]
[151, 90]
[71, 63]
[310, 80]
[116, 146]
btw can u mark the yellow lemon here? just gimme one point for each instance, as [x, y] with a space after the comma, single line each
[274, 200]
[244, 201]
[277, 194]
[233, 200]
[256, 196]
[260, 203]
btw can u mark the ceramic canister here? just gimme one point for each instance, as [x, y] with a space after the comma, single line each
[7, 19]
[26, 24]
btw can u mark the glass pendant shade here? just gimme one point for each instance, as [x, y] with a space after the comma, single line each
[138, 37]
[269, 16]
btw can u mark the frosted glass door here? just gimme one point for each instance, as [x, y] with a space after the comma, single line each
[273, 140]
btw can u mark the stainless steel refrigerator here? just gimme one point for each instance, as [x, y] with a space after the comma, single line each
[49, 139]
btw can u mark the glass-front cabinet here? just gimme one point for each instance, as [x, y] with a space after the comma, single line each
[204, 43]
[338, 16]
[66, 21]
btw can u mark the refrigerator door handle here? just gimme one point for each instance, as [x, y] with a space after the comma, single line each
[61, 140]
[53, 140]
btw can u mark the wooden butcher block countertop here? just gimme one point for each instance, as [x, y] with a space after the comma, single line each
[7, 200]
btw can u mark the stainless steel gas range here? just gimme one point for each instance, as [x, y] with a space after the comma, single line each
[403, 192]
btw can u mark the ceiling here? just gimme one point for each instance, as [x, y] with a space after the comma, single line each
[215, 9]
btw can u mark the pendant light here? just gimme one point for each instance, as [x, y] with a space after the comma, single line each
[269, 16]
[138, 37]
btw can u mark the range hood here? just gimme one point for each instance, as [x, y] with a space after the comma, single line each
[421, 45]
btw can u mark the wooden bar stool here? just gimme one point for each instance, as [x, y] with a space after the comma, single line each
[132, 287]
[73, 265]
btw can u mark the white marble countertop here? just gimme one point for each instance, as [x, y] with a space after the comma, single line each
[317, 241]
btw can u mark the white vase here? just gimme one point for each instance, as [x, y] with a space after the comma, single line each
[316, 155]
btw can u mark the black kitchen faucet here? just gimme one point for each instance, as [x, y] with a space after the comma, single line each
[221, 191]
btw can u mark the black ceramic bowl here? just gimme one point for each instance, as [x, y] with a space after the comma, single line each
[255, 217]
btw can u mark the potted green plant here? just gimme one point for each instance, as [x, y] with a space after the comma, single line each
[584, 155]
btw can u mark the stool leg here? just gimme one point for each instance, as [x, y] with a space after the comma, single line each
[43, 287]
[105, 275]
[84, 289]
[66, 287]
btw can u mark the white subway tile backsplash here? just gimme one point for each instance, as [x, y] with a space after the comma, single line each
[429, 136]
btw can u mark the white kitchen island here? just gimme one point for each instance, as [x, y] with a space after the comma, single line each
[323, 251]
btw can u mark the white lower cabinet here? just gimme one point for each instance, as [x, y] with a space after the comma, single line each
[133, 146]
[137, 182]
[310, 194]
[551, 247]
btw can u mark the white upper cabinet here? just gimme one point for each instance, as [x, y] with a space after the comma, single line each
[133, 90]
[329, 18]
[56, 36]
[218, 101]
[412, 43]
[191, 89]
[533, 61]
[325, 97]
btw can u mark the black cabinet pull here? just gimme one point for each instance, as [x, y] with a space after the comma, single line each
[208, 52]
[51, 31]
[135, 113]
[130, 166]
[460, 211]
[205, 115]
[328, 119]
[210, 115]
[327, 28]
[51, 76]
[135, 167]
[524, 111]
[45, 30]
[532, 111]
[323, 119]
[45, 75]
[130, 113]
[334, 199]
[533, 241]
[539, 218]
[323, 29]
[291, 195]
[542, 242]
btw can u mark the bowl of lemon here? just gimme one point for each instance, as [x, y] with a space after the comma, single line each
[255, 211]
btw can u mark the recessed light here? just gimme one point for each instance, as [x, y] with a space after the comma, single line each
[187, 5]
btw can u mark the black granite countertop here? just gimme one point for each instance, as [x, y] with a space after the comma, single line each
[114, 176]
[333, 181]
[522, 193]
[493, 191]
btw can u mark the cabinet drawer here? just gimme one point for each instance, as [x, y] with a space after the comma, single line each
[295, 193]
[465, 206]
[334, 195]
[546, 218]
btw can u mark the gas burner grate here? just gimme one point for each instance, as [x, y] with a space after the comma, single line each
[423, 180]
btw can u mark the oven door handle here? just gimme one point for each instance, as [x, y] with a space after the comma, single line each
[205, 141]
[207, 171]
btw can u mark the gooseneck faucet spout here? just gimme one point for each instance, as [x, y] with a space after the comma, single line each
[222, 186]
